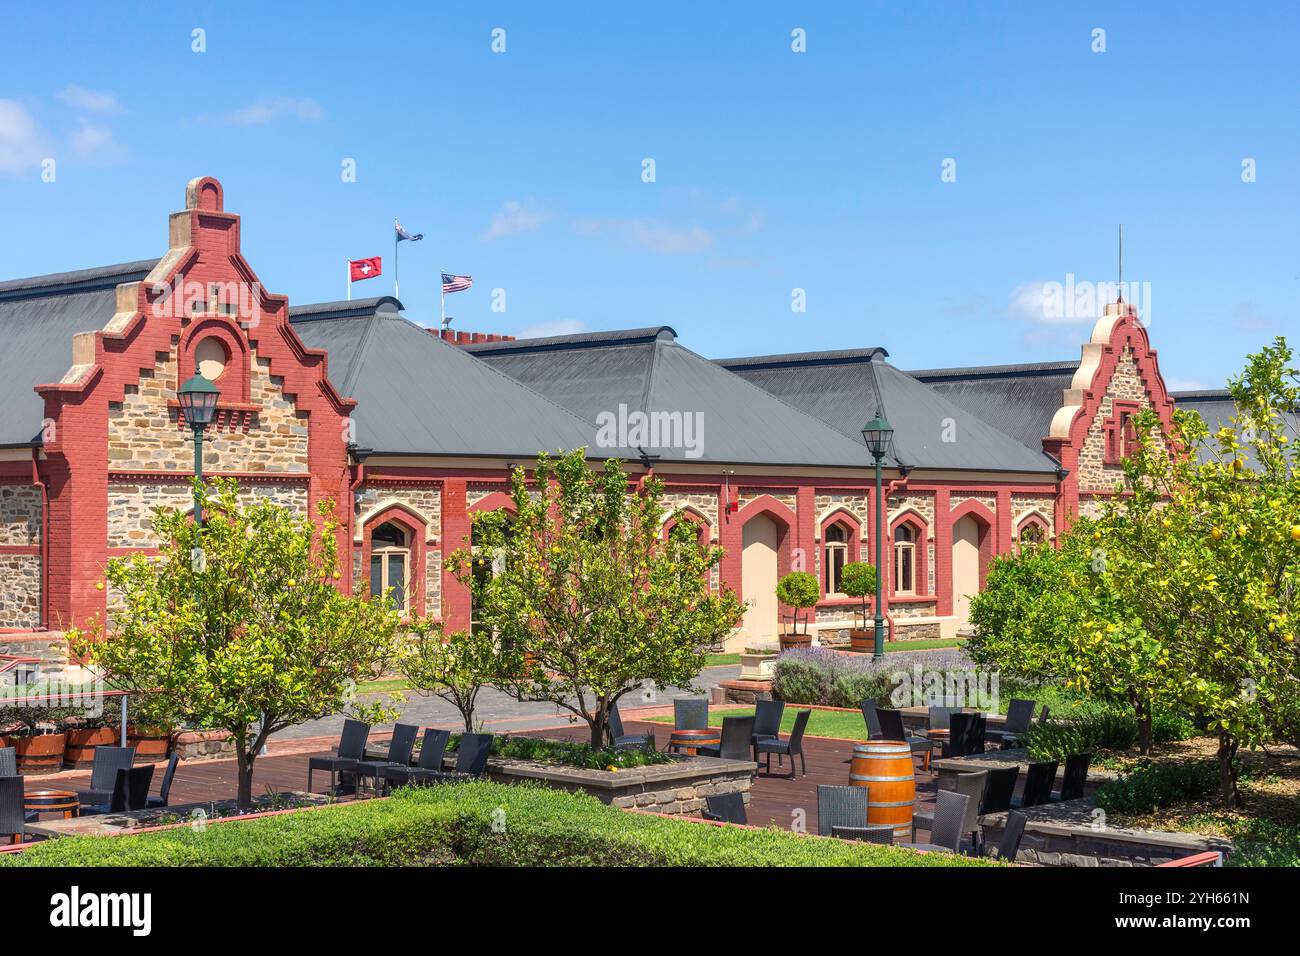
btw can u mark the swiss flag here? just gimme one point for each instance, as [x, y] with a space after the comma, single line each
[365, 268]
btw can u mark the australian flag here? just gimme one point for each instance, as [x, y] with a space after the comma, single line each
[403, 234]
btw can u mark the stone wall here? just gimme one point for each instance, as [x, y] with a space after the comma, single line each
[144, 433]
[20, 591]
[131, 506]
[425, 501]
[20, 515]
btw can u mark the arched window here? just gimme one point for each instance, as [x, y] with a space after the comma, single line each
[1032, 534]
[835, 554]
[904, 559]
[484, 567]
[390, 563]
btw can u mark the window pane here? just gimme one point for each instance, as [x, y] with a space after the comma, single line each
[376, 575]
[907, 569]
[397, 579]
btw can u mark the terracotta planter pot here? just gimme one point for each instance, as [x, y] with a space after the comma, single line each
[82, 741]
[40, 754]
[151, 743]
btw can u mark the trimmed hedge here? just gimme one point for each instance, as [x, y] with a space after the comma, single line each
[453, 824]
[1151, 786]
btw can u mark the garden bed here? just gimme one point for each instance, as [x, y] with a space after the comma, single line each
[484, 824]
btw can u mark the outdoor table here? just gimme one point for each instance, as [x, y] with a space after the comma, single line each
[689, 740]
[47, 800]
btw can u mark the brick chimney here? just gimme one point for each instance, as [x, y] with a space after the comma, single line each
[469, 338]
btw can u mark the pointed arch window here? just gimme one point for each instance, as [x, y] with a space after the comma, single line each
[390, 564]
[835, 554]
[905, 559]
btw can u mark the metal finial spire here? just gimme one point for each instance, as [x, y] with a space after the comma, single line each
[1121, 262]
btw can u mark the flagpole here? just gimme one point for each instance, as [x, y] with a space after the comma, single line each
[348, 263]
[397, 286]
[442, 304]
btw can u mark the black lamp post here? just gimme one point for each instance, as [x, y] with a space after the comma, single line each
[198, 398]
[877, 433]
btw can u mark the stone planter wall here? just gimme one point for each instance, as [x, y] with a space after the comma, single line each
[1071, 834]
[672, 788]
[203, 744]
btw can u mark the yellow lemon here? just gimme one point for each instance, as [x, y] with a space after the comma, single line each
[99, 585]
[291, 583]
[1216, 533]
[1295, 532]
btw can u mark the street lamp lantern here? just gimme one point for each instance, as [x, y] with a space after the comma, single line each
[198, 397]
[878, 433]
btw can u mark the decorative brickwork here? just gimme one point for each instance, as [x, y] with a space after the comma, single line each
[705, 504]
[1096, 473]
[144, 434]
[855, 505]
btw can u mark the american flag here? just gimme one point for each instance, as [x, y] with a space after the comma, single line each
[455, 283]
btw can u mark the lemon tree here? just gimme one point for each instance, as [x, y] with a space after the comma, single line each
[586, 596]
[253, 638]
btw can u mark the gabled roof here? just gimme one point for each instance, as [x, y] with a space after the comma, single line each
[417, 395]
[1216, 407]
[1018, 400]
[647, 370]
[38, 318]
[846, 388]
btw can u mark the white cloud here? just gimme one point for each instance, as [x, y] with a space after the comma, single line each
[651, 234]
[269, 109]
[1185, 385]
[89, 101]
[512, 219]
[20, 139]
[95, 143]
[1044, 303]
[557, 327]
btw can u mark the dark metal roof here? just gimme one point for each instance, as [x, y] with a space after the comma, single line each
[38, 318]
[1019, 400]
[648, 371]
[1216, 407]
[417, 395]
[846, 388]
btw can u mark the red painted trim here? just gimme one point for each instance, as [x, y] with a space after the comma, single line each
[920, 557]
[495, 501]
[418, 531]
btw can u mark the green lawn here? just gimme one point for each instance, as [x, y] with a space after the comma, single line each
[938, 643]
[389, 686]
[720, 660]
[822, 723]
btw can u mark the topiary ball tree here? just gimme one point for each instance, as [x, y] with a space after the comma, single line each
[858, 579]
[798, 590]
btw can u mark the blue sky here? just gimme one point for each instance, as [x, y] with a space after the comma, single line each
[774, 170]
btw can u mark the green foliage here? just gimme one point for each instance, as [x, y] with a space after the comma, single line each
[1096, 729]
[569, 753]
[454, 824]
[589, 598]
[453, 667]
[858, 579]
[1152, 786]
[254, 638]
[798, 590]
[816, 676]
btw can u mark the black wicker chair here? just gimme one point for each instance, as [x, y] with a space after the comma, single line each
[999, 790]
[103, 775]
[872, 720]
[965, 735]
[841, 807]
[165, 788]
[882, 833]
[767, 721]
[891, 728]
[737, 732]
[1019, 713]
[8, 762]
[972, 785]
[471, 759]
[726, 808]
[400, 746]
[1009, 846]
[352, 748]
[1038, 784]
[791, 747]
[949, 818]
[1076, 776]
[13, 818]
[429, 765]
[130, 791]
[691, 713]
[620, 739]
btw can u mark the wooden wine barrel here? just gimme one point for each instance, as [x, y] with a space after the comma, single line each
[884, 767]
[861, 639]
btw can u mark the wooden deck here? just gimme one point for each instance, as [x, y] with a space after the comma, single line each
[773, 800]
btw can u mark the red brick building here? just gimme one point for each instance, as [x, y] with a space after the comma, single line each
[409, 434]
